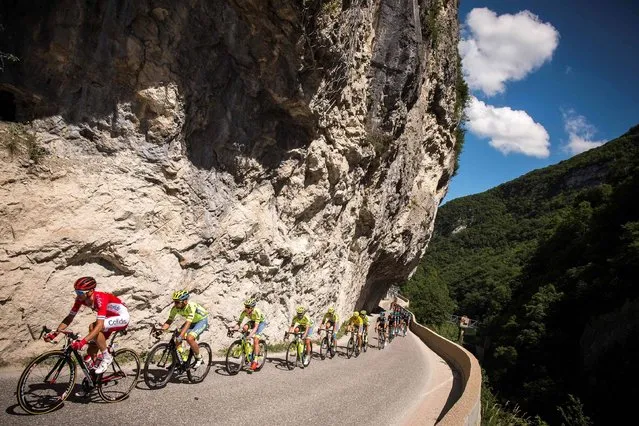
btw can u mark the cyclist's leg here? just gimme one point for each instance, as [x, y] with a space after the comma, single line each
[308, 340]
[359, 336]
[256, 338]
[194, 332]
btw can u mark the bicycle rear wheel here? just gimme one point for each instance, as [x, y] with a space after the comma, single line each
[261, 358]
[46, 382]
[291, 355]
[234, 358]
[196, 375]
[324, 349]
[122, 375]
[350, 347]
[159, 366]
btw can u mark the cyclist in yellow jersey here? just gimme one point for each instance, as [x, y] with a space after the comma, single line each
[330, 320]
[356, 321]
[305, 324]
[256, 323]
[196, 323]
[364, 317]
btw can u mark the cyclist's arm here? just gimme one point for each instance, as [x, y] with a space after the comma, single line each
[65, 322]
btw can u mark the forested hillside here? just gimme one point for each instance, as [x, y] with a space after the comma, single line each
[548, 263]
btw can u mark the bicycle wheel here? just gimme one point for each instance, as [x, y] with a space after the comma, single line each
[380, 340]
[121, 376]
[350, 347]
[46, 382]
[234, 358]
[291, 355]
[261, 358]
[324, 349]
[196, 375]
[365, 342]
[159, 366]
[308, 356]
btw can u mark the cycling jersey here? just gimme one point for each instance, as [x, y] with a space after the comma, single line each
[255, 316]
[381, 321]
[105, 304]
[192, 312]
[356, 320]
[305, 321]
[330, 318]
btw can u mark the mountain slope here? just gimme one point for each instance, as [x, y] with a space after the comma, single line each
[547, 262]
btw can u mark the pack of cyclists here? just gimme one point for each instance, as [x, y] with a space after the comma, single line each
[112, 315]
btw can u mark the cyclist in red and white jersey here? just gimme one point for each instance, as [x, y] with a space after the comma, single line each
[112, 316]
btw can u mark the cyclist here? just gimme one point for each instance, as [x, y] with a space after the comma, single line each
[304, 324]
[381, 324]
[197, 321]
[330, 320]
[112, 316]
[256, 324]
[391, 324]
[356, 321]
[365, 323]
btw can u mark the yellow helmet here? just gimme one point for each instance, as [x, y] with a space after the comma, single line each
[301, 310]
[355, 314]
[331, 310]
[180, 295]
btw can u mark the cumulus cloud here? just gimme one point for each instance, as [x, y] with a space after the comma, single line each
[580, 133]
[509, 131]
[496, 49]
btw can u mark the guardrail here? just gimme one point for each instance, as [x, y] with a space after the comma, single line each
[467, 409]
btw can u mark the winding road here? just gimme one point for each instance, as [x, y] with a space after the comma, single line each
[379, 387]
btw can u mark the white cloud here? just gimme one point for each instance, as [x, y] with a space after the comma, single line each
[509, 131]
[497, 49]
[580, 133]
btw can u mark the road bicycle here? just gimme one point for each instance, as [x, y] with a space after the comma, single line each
[328, 346]
[391, 332]
[381, 339]
[164, 359]
[296, 353]
[353, 346]
[365, 340]
[49, 379]
[240, 352]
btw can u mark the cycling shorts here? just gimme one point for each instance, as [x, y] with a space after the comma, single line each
[260, 327]
[116, 323]
[198, 328]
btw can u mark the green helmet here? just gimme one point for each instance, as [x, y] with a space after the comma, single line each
[331, 310]
[301, 310]
[180, 295]
[362, 312]
[250, 302]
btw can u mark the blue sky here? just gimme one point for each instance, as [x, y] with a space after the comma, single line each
[549, 79]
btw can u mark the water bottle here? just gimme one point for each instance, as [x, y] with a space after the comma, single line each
[184, 354]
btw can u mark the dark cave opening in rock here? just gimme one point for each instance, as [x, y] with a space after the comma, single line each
[7, 106]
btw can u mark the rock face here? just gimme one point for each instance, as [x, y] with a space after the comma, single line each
[293, 151]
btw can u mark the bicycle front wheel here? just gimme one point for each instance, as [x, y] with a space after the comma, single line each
[46, 382]
[196, 375]
[122, 375]
[261, 358]
[234, 358]
[380, 341]
[291, 355]
[159, 366]
[350, 347]
[365, 342]
[324, 349]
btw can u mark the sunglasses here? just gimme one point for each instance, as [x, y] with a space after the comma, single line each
[81, 293]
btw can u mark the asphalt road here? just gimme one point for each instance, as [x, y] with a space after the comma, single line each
[379, 387]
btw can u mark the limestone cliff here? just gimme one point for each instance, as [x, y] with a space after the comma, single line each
[293, 151]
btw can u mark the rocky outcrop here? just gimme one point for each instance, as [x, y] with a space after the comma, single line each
[295, 152]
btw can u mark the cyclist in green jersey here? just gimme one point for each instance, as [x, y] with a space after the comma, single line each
[330, 320]
[304, 323]
[256, 324]
[196, 323]
[364, 318]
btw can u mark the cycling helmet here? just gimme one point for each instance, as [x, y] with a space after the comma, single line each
[362, 312]
[382, 314]
[331, 310]
[355, 314]
[301, 310]
[180, 295]
[85, 284]
[250, 303]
